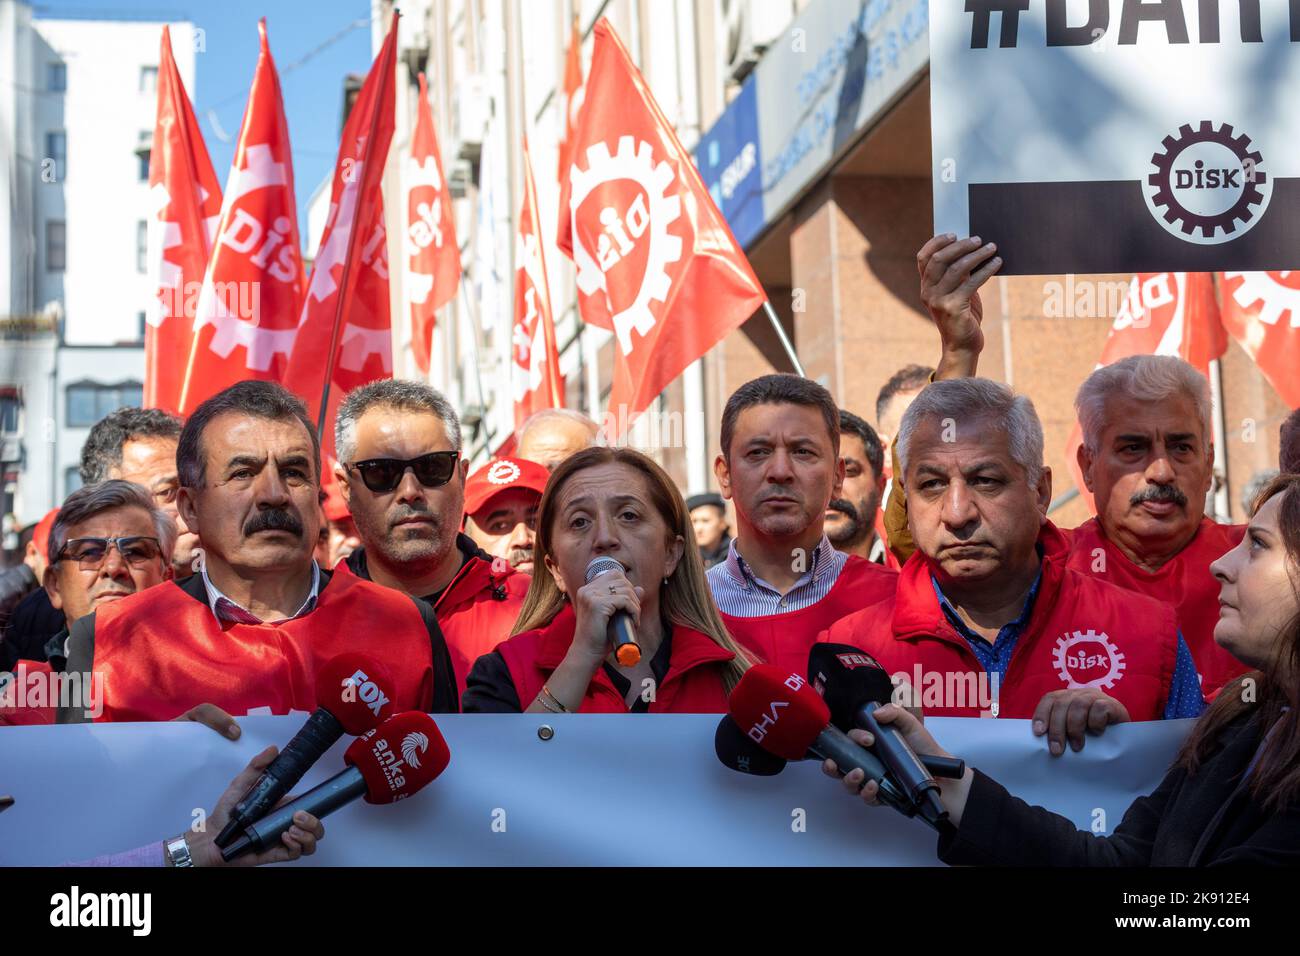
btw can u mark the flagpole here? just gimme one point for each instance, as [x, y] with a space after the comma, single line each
[357, 226]
[785, 339]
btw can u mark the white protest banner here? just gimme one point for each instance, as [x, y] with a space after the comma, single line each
[1101, 136]
[605, 790]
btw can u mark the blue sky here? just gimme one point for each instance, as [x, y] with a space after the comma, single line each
[313, 91]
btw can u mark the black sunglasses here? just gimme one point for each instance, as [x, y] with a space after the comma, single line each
[384, 474]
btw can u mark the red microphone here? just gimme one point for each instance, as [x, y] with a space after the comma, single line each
[398, 758]
[353, 696]
[783, 714]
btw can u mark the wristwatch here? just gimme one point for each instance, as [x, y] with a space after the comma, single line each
[178, 851]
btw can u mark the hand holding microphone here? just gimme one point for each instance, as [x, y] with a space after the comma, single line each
[608, 595]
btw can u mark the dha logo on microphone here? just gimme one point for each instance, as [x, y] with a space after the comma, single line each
[760, 729]
[74, 908]
[361, 686]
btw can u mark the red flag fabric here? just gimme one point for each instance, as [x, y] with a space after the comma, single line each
[433, 255]
[536, 372]
[1262, 311]
[344, 334]
[655, 260]
[246, 317]
[572, 103]
[185, 200]
[1165, 313]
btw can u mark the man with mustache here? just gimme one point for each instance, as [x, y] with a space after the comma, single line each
[989, 619]
[501, 501]
[251, 629]
[401, 472]
[1147, 458]
[782, 582]
[851, 518]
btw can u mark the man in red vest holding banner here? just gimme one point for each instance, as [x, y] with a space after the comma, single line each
[254, 626]
[989, 619]
[782, 581]
[1146, 456]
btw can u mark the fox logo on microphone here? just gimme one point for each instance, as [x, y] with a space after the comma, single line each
[360, 685]
[769, 719]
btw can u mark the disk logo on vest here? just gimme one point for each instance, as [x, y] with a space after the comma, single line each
[1088, 659]
[1208, 186]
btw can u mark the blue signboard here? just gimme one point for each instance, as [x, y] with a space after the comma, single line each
[730, 162]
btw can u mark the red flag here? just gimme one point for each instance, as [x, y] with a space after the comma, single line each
[656, 262]
[1262, 311]
[572, 108]
[245, 322]
[433, 256]
[536, 373]
[344, 334]
[1165, 313]
[185, 198]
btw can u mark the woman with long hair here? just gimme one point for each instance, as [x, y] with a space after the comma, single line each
[613, 503]
[1233, 793]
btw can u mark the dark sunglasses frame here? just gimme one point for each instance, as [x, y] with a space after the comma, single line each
[373, 470]
[120, 543]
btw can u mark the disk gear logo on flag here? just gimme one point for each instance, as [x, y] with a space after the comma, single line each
[1088, 659]
[634, 251]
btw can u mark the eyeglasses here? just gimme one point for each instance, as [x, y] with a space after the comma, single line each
[384, 474]
[91, 553]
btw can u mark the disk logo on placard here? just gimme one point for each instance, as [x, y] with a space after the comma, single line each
[1208, 186]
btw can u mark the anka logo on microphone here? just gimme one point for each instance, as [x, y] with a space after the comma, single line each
[412, 748]
[74, 908]
[413, 745]
[361, 686]
[769, 719]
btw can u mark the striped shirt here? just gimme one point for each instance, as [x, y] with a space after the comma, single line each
[224, 609]
[737, 591]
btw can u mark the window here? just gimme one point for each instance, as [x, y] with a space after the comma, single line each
[142, 246]
[56, 245]
[10, 406]
[140, 323]
[71, 480]
[88, 402]
[144, 164]
[148, 79]
[56, 77]
[56, 148]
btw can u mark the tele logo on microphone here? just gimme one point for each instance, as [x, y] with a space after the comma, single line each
[360, 686]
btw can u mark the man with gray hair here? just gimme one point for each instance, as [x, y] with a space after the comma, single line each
[403, 476]
[1147, 458]
[553, 434]
[988, 619]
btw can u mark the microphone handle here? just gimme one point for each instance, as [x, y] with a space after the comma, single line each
[950, 768]
[339, 790]
[321, 731]
[834, 744]
[622, 635]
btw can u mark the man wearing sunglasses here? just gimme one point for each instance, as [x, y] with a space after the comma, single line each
[253, 627]
[403, 476]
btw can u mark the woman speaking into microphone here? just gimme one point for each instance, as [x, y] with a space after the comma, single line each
[1233, 793]
[614, 539]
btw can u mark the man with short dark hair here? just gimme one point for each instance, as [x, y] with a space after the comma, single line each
[253, 627]
[782, 581]
[401, 472]
[851, 517]
[709, 521]
[139, 445]
[1289, 451]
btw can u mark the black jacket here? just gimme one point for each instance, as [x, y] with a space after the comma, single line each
[1207, 819]
[34, 621]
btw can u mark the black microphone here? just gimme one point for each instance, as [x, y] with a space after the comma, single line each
[395, 760]
[739, 753]
[622, 633]
[854, 685]
[353, 695]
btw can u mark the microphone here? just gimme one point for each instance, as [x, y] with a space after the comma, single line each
[389, 763]
[741, 754]
[854, 685]
[622, 634]
[352, 691]
[783, 715]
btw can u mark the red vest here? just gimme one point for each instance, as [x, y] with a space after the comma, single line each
[693, 684]
[1081, 632]
[477, 611]
[1184, 582]
[30, 698]
[786, 639]
[161, 651]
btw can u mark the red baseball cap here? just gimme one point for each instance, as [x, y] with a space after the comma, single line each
[41, 536]
[500, 475]
[336, 509]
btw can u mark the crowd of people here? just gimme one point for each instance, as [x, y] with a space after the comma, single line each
[207, 569]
